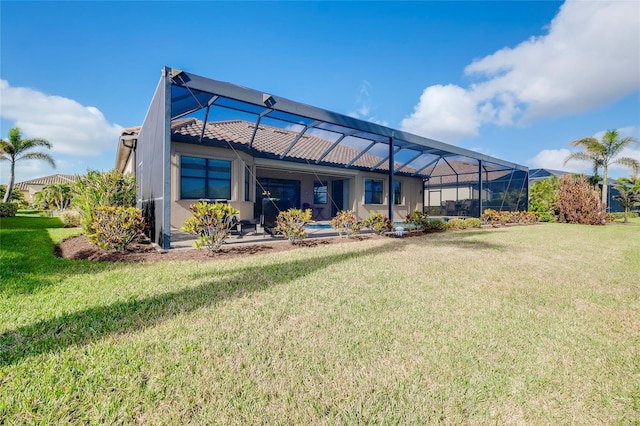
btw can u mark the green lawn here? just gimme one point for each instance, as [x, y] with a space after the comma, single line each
[519, 325]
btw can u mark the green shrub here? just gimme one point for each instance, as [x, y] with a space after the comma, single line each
[417, 220]
[102, 189]
[543, 198]
[494, 217]
[457, 224]
[71, 218]
[437, 225]
[620, 215]
[473, 222]
[16, 197]
[211, 222]
[291, 224]
[346, 223]
[378, 223]
[491, 217]
[8, 209]
[115, 228]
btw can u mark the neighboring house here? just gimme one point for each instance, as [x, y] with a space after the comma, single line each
[30, 188]
[206, 139]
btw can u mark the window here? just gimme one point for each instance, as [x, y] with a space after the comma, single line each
[373, 191]
[205, 178]
[397, 192]
[247, 183]
[319, 192]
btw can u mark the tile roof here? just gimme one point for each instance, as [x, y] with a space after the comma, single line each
[46, 180]
[275, 141]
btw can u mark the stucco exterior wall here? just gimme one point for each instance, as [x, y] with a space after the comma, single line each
[306, 174]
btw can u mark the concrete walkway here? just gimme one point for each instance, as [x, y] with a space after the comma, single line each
[182, 240]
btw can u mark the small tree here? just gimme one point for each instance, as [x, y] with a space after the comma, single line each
[15, 148]
[628, 194]
[211, 222]
[579, 202]
[291, 224]
[543, 196]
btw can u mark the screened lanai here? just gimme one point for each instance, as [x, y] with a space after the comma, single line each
[203, 113]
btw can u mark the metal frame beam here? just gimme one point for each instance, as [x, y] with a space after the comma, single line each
[363, 152]
[428, 165]
[390, 196]
[333, 145]
[381, 162]
[297, 138]
[408, 162]
[255, 129]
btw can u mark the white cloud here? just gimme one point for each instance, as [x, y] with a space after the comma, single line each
[589, 58]
[554, 159]
[363, 105]
[71, 128]
[444, 112]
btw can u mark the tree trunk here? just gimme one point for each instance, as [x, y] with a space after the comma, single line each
[604, 187]
[626, 215]
[7, 195]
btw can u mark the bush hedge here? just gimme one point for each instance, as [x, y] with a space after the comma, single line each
[8, 209]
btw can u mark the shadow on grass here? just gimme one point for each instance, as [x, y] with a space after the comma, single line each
[463, 240]
[26, 254]
[86, 326]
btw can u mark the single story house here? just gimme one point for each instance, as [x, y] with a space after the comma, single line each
[30, 188]
[206, 139]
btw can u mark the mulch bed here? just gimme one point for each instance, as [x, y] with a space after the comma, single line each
[79, 247]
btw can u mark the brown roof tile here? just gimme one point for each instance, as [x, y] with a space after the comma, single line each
[276, 141]
[46, 180]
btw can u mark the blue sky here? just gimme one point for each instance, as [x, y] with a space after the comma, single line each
[515, 80]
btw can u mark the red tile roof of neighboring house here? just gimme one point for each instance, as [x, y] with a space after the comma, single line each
[46, 180]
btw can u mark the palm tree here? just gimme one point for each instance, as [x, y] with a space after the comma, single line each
[58, 195]
[15, 148]
[628, 194]
[605, 153]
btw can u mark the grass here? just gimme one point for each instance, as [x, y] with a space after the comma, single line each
[519, 325]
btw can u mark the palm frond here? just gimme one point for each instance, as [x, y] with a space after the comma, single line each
[35, 142]
[632, 163]
[40, 156]
[580, 156]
